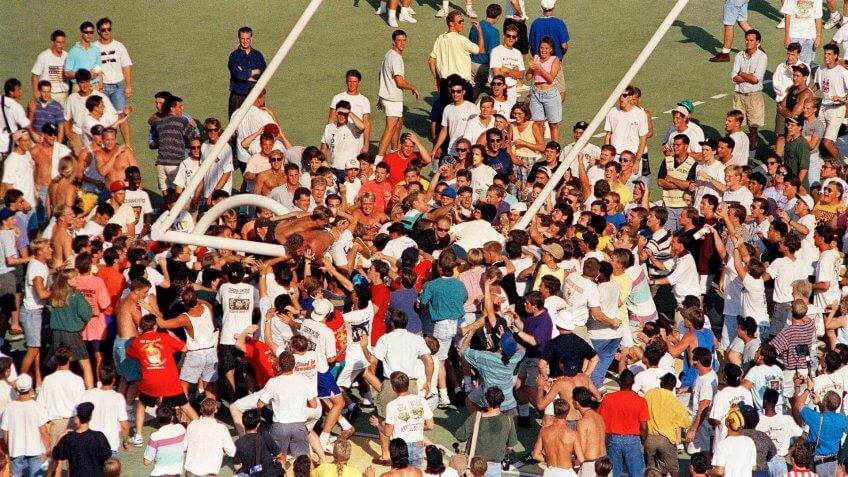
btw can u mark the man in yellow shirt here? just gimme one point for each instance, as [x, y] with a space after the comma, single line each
[668, 417]
[452, 51]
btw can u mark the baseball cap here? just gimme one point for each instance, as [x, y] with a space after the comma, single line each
[6, 213]
[688, 104]
[563, 322]
[544, 169]
[271, 128]
[321, 308]
[24, 383]
[682, 110]
[352, 164]
[583, 125]
[116, 186]
[795, 120]
[449, 192]
[50, 129]
[807, 199]
[711, 143]
[518, 207]
[547, 4]
[508, 344]
[555, 250]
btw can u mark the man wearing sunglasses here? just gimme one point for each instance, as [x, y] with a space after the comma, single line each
[117, 71]
[220, 175]
[84, 55]
[455, 118]
[451, 54]
[506, 60]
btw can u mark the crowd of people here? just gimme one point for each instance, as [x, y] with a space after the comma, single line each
[619, 329]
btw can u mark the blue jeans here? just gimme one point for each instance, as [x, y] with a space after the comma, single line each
[28, 465]
[777, 466]
[728, 331]
[764, 329]
[416, 454]
[626, 452]
[116, 94]
[814, 173]
[606, 353]
[546, 105]
[808, 50]
[735, 11]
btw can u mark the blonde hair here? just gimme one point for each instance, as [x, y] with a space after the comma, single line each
[802, 289]
[474, 257]
[38, 244]
[67, 167]
[61, 289]
[341, 455]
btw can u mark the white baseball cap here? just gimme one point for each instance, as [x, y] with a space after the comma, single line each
[24, 383]
[563, 322]
[352, 164]
[321, 308]
[547, 4]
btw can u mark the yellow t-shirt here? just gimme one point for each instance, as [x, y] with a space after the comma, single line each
[624, 193]
[452, 53]
[668, 415]
[328, 469]
[625, 284]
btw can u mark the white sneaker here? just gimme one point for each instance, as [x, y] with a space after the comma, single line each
[469, 10]
[406, 17]
[782, 24]
[833, 20]
[381, 10]
[327, 446]
[137, 440]
[442, 13]
[393, 22]
[411, 11]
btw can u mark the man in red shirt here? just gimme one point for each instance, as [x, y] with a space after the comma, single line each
[160, 379]
[263, 360]
[625, 415]
[398, 160]
[380, 187]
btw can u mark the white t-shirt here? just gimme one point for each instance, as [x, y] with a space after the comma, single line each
[407, 414]
[139, 201]
[359, 104]
[742, 196]
[504, 108]
[18, 120]
[395, 247]
[18, 170]
[608, 300]
[716, 172]
[185, 172]
[827, 270]
[782, 428]
[722, 401]
[503, 57]
[49, 67]
[322, 341]
[737, 454]
[358, 324]
[254, 120]
[455, 119]
[754, 299]
[340, 247]
[703, 389]
[741, 148]
[175, 432]
[22, 420]
[399, 350]
[831, 82]
[626, 128]
[288, 394]
[684, 278]
[344, 143]
[580, 294]
[803, 15]
[34, 269]
[391, 66]
[237, 301]
[114, 57]
[784, 272]
[475, 233]
[222, 164]
[75, 109]
[693, 131]
[60, 393]
[650, 379]
[89, 121]
[110, 409]
[841, 39]
[9, 250]
[475, 128]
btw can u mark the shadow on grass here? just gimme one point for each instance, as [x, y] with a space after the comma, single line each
[767, 10]
[697, 35]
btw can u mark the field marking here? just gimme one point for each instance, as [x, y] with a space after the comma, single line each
[600, 134]
[718, 96]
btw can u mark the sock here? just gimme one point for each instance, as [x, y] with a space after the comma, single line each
[445, 4]
[324, 437]
[523, 410]
[378, 159]
[725, 50]
[392, 14]
[443, 394]
[383, 5]
[344, 423]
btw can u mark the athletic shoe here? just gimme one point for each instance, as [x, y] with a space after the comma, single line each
[345, 434]
[442, 13]
[782, 24]
[469, 10]
[411, 11]
[381, 10]
[137, 440]
[444, 403]
[393, 22]
[833, 21]
[406, 17]
[720, 58]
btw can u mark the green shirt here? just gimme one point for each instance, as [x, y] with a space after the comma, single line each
[797, 155]
[73, 316]
[444, 298]
[496, 433]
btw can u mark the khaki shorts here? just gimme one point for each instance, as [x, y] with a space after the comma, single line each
[75, 143]
[752, 106]
[166, 176]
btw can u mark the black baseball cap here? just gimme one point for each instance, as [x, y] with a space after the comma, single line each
[581, 125]
[50, 129]
[711, 143]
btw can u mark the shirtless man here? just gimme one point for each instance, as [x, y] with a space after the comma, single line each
[112, 160]
[268, 180]
[62, 190]
[563, 388]
[558, 445]
[46, 156]
[62, 235]
[368, 215]
[310, 245]
[92, 180]
[285, 227]
[128, 314]
[590, 429]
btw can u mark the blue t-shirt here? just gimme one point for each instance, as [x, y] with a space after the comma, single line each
[404, 300]
[444, 298]
[493, 372]
[617, 220]
[548, 26]
[491, 39]
[501, 163]
[541, 328]
[832, 428]
[83, 58]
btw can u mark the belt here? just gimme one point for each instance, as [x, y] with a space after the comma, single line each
[825, 459]
[746, 94]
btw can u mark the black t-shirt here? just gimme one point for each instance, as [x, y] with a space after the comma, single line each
[258, 448]
[566, 353]
[489, 340]
[86, 452]
[427, 241]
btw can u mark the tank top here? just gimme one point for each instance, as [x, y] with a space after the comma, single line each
[526, 135]
[792, 98]
[204, 331]
[91, 172]
[689, 374]
[546, 65]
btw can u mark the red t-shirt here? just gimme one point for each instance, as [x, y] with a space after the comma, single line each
[155, 350]
[380, 296]
[336, 323]
[115, 283]
[622, 412]
[379, 190]
[397, 165]
[263, 360]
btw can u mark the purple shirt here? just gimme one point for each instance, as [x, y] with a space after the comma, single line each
[540, 327]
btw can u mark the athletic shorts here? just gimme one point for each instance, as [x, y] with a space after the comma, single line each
[558, 472]
[228, 357]
[73, 341]
[176, 400]
[393, 109]
[528, 371]
[735, 11]
[31, 324]
[128, 368]
[752, 105]
[833, 117]
[351, 371]
[327, 386]
[200, 364]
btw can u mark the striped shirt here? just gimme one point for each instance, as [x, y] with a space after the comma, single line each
[791, 340]
[165, 449]
[52, 112]
[800, 473]
[660, 245]
[172, 133]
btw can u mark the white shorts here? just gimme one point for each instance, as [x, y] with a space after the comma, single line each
[393, 109]
[247, 403]
[557, 472]
[352, 369]
[312, 416]
[833, 117]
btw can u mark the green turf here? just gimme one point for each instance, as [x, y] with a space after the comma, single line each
[183, 46]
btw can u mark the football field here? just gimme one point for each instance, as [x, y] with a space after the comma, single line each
[182, 47]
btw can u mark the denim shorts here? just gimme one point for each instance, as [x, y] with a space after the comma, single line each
[31, 323]
[735, 11]
[116, 94]
[546, 105]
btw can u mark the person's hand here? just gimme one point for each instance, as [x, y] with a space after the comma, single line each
[255, 72]
[427, 391]
[369, 471]
[309, 254]
[816, 43]
[128, 92]
[145, 304]
[387, 196]
[616, 323]
[374, 420]
[797, 379]
[475, 24]
[690, 435]
[416, 94]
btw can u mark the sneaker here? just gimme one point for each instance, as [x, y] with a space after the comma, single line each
[406, 17]
[442, 13]
[833, 20]
[782, 24]
[393, 22]
[720, 58]
[137, 440]
[381, 10]
[444, 403]
[411, 11]
[469, 10]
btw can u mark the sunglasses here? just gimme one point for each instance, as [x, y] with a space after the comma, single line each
[457, 91]
[511, 36]
[827, 190]
[462, 150]
[494, 140]
[625, 95]
[771, 163]
[194, 148]
[780, 173]
[211, 130]
[497, 83]
[88, 32]
[275, 159]
[106, 29]
[442, 230]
